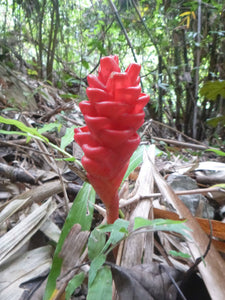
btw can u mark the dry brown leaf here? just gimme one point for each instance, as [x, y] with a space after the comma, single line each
[27, 266]
[23, 200]
[212, 271]
[218, 228]
[19, 235]
[135, 245]
[153, 282]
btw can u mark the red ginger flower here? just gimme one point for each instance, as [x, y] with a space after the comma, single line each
[113, 114]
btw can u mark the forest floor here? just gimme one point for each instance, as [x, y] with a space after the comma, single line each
[38, 187]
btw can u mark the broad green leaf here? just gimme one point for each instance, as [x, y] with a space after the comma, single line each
[96, 264]
[96, 243]
[68, 137]
[101, 288]
[74, 283]
[81, 212]
[212, 89]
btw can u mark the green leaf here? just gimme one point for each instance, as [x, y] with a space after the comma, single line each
[13, 132]
[101, 288]
[96, 243]
[68, 137]
[96, 264]
[85, 63]
[68, 95]
[98, 44]
[33, 133]
[81, 212]
[117, 232]
[220, 185]
[22, 127]
[161, 225]
[50, 127]
[32, 72]
[216, 121]
[74, 283]
[135, 160]
[211, 89]
[66, 159]
[179, 254]
[218, 152]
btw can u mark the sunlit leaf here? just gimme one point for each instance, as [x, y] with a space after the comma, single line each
[68, 137]
[212, 89]
[186, 13]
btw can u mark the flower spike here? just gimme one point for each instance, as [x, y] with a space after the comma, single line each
[113, 114]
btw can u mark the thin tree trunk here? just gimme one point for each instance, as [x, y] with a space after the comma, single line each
[160, 110]
[52, 38]
[195, 110]
[40, 42]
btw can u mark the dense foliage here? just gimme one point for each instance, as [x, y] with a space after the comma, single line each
[180, 45]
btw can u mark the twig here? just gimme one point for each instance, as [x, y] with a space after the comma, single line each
[16, 174]
[101, 210]
[182, 144]
[137, 198]
[177, 131]
[71, 120]
[64, 192]
[123, 28]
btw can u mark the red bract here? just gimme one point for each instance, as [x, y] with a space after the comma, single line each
[113, 114]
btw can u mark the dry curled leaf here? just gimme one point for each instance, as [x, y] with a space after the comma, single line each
[156, 281]
[145, 282]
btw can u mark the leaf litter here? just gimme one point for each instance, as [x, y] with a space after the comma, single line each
[147, 265]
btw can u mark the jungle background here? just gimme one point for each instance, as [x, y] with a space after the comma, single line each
[47, 49]
[180, 46]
